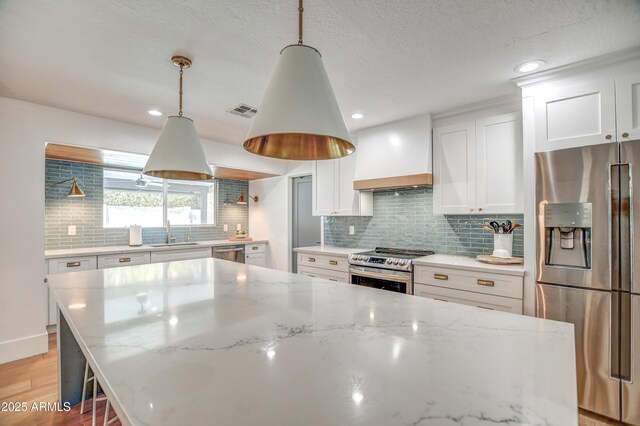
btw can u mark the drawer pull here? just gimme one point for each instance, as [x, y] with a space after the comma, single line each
[311, 259]
[331, 279]
[124, 259]
[333, 262]
[486, 283]
[73, 264]
[485, 307]
[441, 277]
[255, 248]
[441, 300]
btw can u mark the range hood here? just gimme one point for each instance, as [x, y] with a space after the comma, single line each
[387, 183]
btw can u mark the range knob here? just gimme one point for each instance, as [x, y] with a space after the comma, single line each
[389, 261]
[395, 261]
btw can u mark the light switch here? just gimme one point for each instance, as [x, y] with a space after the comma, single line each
[71, 230]
[225, 227]
[352, 230]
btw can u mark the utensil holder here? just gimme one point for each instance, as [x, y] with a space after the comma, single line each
[502, 245]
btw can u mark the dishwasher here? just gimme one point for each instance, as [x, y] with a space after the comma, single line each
[232, 253]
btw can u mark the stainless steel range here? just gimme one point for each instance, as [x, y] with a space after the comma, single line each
[385, 268]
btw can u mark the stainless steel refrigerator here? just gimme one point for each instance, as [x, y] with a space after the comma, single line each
[588, 241]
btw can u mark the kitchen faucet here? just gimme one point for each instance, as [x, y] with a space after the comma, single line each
[170, 238]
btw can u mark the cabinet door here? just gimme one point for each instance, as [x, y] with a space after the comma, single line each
[256, 259]
[493, 303]
[71, 264]
[575, 115]
[351, 202]
[454, 164]
[628, 106]
[499, 164]
[324, 187]
[180, 254]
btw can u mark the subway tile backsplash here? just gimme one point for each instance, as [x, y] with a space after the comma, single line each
[86, 213]
[405, 219]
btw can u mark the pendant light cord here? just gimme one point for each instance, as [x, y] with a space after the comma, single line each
[180, 112]
[300, 10]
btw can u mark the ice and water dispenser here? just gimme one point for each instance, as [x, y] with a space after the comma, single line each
[568, 235]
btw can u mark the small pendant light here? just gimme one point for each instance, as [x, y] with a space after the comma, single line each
[178, 153]
[299, 118]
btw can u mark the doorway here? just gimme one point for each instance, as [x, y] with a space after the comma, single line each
[305, 227]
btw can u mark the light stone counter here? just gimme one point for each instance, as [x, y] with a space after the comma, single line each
[97, 251]
[331, 250]
[468, 264]
[209, 341]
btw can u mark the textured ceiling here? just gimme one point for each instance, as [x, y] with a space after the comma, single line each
[389, 58]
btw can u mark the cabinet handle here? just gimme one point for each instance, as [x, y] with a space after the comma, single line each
[470, 210]
[486, 283]
[330, 279]
[255, 248]
[73, 264]
[625, 135]
[311, 259]
[124, 259]
[479, 209]
[442, 300]
[608, 137]
[441, 277]
[485, 307]
[333, 262]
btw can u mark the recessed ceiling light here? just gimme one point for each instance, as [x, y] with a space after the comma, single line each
[530, 66]
[154, 112]
[357, 115]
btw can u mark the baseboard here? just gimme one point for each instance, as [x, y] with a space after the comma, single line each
[24, 347]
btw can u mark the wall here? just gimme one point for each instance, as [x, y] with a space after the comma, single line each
[406, 220]
[24, 129]
[86, 213]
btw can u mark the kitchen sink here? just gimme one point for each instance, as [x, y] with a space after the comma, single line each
[173, 244]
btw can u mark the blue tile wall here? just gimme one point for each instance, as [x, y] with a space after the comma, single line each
[405, 219]
[86, 213]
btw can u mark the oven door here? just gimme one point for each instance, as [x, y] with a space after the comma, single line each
[383, 279]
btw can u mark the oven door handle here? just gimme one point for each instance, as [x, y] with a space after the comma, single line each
[387, 277]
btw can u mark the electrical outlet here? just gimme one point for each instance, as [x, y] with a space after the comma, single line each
[225, 227]
[239, 226]
[71, 230]
[352, 230]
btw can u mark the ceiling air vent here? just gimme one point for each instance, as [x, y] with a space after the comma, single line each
[244, 110]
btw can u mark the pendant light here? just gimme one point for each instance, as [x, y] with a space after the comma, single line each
[178, 153]
[299, 118]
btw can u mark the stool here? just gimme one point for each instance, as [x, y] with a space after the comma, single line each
[93, 380]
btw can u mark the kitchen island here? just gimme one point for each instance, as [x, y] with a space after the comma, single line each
[214, 342]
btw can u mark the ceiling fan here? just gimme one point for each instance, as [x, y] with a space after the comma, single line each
[143, 182]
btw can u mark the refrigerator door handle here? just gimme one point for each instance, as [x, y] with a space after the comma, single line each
[615, 350]
[625, 337]
[614, 226]
[626, 243]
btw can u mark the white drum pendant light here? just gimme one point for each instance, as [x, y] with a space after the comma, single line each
[299, 118]
[178, 152]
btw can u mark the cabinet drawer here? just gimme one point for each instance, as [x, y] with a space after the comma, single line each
[254, 248]
[477, 282]
[126, 259]
[485, 301]
[70, 264]
[170, 255]
[327, 274]
[334, 263]
[256, 259]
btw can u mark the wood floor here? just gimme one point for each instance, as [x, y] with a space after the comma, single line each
[35, 379]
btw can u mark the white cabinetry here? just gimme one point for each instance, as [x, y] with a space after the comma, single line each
[628, 106]
[481, 289]
[255, 255]
[180, 254]
[127, 259]
[61, 265]
[333, 193]
[332, 268]
[477, 166]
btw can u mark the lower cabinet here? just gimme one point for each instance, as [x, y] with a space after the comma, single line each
[66, 264]
[180, 254]
[256, 259]
[128, 259]
[332, 268]
[484, 290]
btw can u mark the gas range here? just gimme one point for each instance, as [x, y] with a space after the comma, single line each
[388, 258]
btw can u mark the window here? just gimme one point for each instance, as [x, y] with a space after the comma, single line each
[133, 199]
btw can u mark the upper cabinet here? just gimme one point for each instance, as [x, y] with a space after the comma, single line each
[595, 107]
[398, 149]
[333, 193]
[477, 166]
[628, 106]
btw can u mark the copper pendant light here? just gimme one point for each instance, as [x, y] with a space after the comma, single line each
[299, 118]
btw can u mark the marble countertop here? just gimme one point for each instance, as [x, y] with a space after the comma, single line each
[468, 264]
[197, 341]
[97, 251]
[331, 250]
